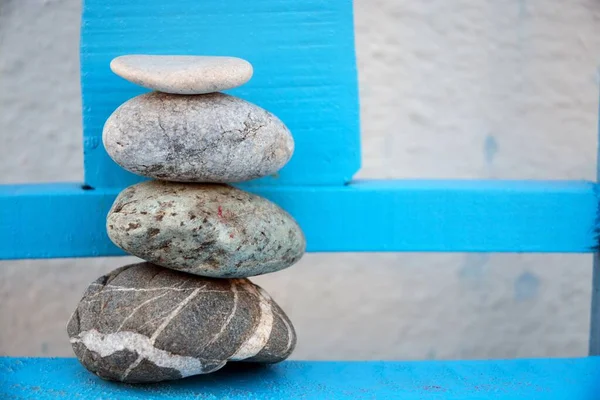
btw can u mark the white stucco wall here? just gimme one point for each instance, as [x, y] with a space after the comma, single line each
[449, 89]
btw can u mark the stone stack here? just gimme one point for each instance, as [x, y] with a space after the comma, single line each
[189, 308]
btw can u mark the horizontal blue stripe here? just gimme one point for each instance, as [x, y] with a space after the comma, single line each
[540, 379]
[63, 220]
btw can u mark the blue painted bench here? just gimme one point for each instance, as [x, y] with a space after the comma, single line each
[303, 53]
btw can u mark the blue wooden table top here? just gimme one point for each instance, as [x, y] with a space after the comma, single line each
[537, 379]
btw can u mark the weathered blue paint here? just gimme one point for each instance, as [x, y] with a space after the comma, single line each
[62, 220]
[557, 379]
[474, 266]
[526, 286]
[304, 63]
[490, 149]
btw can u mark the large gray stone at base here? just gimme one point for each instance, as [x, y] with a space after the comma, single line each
[203, 138]
[144, 323]
[204, 229]
[183, 74]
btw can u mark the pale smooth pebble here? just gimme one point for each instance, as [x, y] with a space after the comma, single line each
[183, 74]
[207, 138]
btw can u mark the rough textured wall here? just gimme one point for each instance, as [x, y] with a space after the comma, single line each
[450, 89]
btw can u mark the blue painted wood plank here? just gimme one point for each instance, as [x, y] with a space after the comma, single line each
[540, 379]
[62, 220]
[304, 63]
[53, 220]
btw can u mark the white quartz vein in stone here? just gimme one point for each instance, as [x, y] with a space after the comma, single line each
[259, 338]
[174, 313]
[110, 343]
[151, 321]
[114, 289]
[289, 330]
[230, 316]
[140, 306]
[160, 328]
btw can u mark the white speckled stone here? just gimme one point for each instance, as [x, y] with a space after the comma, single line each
[204, 229]
[205, 138]
[144, 323]
[183, 74]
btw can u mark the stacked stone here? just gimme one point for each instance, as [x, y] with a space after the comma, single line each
[189, 308]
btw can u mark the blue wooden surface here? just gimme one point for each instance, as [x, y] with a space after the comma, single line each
[594, 340]
[62, 220]
[556, 379]
[304, 63]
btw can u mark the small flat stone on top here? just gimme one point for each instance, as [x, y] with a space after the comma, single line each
[183, 74]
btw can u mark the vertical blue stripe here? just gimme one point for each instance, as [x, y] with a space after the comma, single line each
[304, 72]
